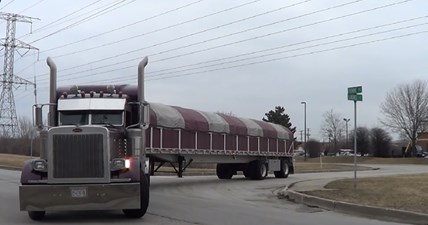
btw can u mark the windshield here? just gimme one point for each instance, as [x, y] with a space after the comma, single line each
[107, 117]
[73, 118]
[100, 117]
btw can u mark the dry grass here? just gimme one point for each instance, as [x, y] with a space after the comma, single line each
[367, 160]
[10, 160]
[405, 192]
[309, 167]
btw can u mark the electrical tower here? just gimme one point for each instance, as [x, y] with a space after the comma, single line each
[8, 118]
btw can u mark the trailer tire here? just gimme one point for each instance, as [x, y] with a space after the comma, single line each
[224, 171]
[36, 215]
[144, 199]
[257, 170]
[285, 170]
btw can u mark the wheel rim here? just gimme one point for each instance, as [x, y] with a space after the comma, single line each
[286, 169]
[263, 170]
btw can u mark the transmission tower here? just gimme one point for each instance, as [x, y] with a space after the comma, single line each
[8, 118]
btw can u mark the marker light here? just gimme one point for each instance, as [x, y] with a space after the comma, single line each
[127, 163]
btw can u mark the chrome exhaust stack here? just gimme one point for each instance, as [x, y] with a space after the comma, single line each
[52, 92]
[143, 104]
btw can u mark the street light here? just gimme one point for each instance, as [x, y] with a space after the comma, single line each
[304, 112]
[346, 122]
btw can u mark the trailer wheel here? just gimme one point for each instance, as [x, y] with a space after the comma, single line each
[285, 170]
[224, 171]
[36, 215]
[144, 199]
[257, 170]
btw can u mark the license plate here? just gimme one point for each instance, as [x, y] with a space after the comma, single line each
[79, 192]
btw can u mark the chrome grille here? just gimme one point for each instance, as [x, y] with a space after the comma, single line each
[78, 156]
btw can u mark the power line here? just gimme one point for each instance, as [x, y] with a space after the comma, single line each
[144, 20]
[264, 50]
[88, 18]
[277, 59]
[64, 17]
[7, 4]
[248, 39]
[294, 56]
[307, 14]
[185, 36]
[123, 27]
[276, 48]
[33, 5]
[292, 50]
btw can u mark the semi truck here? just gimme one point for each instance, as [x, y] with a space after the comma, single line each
[102, 143]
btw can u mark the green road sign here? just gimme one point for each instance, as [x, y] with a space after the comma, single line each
[355, 90]
[355, 97]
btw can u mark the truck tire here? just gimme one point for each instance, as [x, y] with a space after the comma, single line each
[224, 171]
[257, 170]
[36, 215]
[285, 170]
[144, 199]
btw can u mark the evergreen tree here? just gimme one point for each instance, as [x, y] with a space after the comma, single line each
[279, 117]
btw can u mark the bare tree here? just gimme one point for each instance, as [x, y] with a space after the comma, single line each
[25, 127]
[332, 127]
[406, 109]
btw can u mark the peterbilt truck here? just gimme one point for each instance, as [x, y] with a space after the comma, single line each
[102, 143]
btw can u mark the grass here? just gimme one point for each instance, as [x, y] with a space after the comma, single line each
[367, 160]
[11, 160]
[311, 167]
[405, 192]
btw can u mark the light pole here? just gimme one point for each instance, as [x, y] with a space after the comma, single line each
[304, 126]
[346, 122]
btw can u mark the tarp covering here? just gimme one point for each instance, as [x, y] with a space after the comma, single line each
[194, 120]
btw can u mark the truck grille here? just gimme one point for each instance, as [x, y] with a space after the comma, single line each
[78, 156]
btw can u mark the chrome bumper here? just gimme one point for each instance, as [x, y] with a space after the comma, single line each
[79, 197]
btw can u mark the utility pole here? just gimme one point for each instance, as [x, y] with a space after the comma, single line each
[301, 135]
[8, 118]
[346, 122]
[304, 128]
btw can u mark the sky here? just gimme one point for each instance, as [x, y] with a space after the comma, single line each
[242, 56]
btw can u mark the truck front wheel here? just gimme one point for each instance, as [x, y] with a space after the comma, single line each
[144, 200]
[36, 215]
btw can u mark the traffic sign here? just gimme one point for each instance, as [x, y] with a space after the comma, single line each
[355, 97]
[355, 90]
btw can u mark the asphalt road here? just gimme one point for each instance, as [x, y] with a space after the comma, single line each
[205, 200]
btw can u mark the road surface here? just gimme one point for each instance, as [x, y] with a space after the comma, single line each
[205, 200]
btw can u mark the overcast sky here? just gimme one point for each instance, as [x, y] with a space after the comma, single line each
[242, 56]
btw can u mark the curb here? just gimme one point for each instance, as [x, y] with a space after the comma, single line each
[386, 214]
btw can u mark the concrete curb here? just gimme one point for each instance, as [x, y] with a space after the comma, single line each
[387, 214]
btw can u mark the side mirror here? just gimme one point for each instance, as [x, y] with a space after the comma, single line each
[145, 115]
[38, 116]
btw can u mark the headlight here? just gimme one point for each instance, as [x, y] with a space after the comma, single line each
[118, 164]
[40, 165]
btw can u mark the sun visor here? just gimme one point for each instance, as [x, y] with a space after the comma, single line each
[91, 104]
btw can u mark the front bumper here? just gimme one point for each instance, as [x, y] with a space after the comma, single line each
[85, 197]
